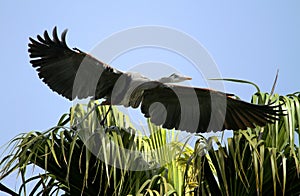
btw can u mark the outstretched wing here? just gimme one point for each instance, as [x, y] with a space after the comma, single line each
[201, 110]
[73, 73]
[70, 73]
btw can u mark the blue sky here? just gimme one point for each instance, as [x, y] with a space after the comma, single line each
[247, 40]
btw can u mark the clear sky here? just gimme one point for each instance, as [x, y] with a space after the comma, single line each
[247, 39]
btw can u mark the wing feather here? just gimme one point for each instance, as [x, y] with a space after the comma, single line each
[236, 114]
[70, 73]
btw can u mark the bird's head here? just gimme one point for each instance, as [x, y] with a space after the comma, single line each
[174, 78]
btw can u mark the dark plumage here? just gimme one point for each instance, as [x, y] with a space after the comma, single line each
[73, 73]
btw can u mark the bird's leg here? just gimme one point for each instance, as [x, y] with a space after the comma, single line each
[105, 116]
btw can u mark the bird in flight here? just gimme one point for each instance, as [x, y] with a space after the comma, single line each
[77, 75]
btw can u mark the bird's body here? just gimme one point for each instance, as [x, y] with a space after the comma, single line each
[128, 88]
[75, 74]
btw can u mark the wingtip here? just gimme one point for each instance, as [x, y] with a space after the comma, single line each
[63, 36]
[30, 40]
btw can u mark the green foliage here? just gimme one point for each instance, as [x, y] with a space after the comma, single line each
[79, 156]
[88, 158]
[260, 161]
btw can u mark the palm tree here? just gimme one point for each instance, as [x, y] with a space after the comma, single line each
[72, 166]
[80, 157]
[260, 161]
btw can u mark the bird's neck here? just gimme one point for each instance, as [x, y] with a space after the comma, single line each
[165, 80]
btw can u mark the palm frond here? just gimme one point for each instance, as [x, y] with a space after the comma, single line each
[259, 161]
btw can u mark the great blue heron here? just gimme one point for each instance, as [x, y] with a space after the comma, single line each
[75, 74]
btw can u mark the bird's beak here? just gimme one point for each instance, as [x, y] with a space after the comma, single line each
[188, 78]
